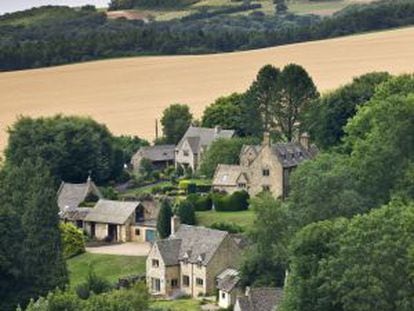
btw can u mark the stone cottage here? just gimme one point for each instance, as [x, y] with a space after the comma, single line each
[195, 142]
[189, 261]
[227, 284]
[265, 167]
[161, 156]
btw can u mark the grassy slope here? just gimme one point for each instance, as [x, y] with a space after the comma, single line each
[244, 219]
[178, 305]
[110, 267]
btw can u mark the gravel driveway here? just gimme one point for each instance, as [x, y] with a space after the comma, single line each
[129, 249]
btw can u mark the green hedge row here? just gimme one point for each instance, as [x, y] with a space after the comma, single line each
[238, 201]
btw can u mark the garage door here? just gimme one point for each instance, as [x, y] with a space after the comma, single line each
[149, 235]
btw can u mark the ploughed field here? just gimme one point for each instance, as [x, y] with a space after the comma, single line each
[129, 94]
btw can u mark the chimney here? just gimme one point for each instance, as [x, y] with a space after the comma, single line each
[175, 224]
[266, 139]
[304, 140]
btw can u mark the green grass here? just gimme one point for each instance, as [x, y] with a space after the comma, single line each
[244, 219]
[110, 267]
[177, 305]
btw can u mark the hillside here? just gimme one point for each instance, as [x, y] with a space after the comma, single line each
[128, 94]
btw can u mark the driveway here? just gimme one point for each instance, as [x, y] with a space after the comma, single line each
[128, 249]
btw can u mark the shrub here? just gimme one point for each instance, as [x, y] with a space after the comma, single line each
[227, 226]
[192, 188]
[200, 203]
[72, 239]
[203, 188]
[186, 213]
[93, 284]
[238, 201]
[109, 193]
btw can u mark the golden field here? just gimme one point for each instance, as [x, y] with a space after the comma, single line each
[129, 94]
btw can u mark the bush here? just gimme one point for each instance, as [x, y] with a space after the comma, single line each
[109, 193]
[186, 213]
[192, 188]
[227, 226]
[238, 201]
[72, 239]
[200, 203]
[93, 284]
[203, 188]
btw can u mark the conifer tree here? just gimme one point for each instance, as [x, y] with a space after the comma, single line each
[186, 213]
[164, 220]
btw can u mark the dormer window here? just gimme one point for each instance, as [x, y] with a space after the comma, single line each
[266, 172]
[186, 153]
[155, 263]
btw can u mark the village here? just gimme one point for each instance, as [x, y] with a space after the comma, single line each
[193, 261]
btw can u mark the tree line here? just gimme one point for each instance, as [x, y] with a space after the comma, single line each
[86, 34]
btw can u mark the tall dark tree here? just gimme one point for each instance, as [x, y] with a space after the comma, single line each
[164, 219]
[28, 201]
[175, 121]
[295, 91]
[259, 100]
[186, 213]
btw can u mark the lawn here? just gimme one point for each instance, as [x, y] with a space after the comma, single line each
[243, 218]
[110, 267]
[177, 305]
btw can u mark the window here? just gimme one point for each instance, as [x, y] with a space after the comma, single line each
[223, 295]
[199, 282]
[174, 283]
[266, 172]
[266, 188]
[155, 285]
[137, 232]
[186, 280]
[186, 153]
[155, 263]
[242, 185]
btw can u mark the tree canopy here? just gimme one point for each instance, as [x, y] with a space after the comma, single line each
[175, 121]
[72, 147]
[164, 219]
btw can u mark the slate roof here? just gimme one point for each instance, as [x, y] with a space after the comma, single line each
[228, 280]
[71, 195]
[192, 243]
[157, 153]
[261, 299]
[199, 137]
[291, 154]
[169, 250]
[227, 175]
[113, 212]
[78, 213]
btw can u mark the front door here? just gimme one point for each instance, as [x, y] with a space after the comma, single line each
[149, 235]
[113, 232]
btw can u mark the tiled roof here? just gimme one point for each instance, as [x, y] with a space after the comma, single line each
[228, 280]
[77, 213]
[291, 154]
[113, 212]
[193, 243]
[227, 175]
[71, 195]
[261, 299]
[157, 153]
[199, 137]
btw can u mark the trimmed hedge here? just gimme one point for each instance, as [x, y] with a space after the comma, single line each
[200, 203]
[227, 226]
[238, 201]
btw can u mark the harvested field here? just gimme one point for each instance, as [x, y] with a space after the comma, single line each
[128, 94]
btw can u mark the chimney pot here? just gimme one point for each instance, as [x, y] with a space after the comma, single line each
[175, 224]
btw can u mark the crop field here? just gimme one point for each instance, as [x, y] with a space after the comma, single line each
[129, 94]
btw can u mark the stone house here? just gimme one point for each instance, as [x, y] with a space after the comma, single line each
[259, 299]
[189, 261]
[265, 167]
[227, 284]
[195, 142]
[161, 156]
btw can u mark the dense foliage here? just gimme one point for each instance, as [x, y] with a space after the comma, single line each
[222, 151]
[175, 121]
[129, 145]
[36, 38]
[72, 147]
[185, 211]
[362, 264]
[237, 201]
[133, 299]
[73, 240]
[31, 252]
[325, 119]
